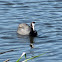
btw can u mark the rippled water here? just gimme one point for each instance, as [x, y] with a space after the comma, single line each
[48, 17]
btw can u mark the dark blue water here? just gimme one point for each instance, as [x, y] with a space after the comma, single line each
[48, 17]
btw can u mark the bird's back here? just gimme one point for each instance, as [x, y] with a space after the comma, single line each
[23, 29]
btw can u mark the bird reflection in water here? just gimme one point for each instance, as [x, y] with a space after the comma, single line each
[30, 38]
[31, 41]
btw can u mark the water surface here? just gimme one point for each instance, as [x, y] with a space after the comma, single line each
[48, 17]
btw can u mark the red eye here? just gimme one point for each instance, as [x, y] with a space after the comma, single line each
[33, 22]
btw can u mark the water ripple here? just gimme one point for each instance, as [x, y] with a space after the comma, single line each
[48, 17]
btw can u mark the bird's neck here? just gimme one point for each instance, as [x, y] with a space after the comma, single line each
[32, 26]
